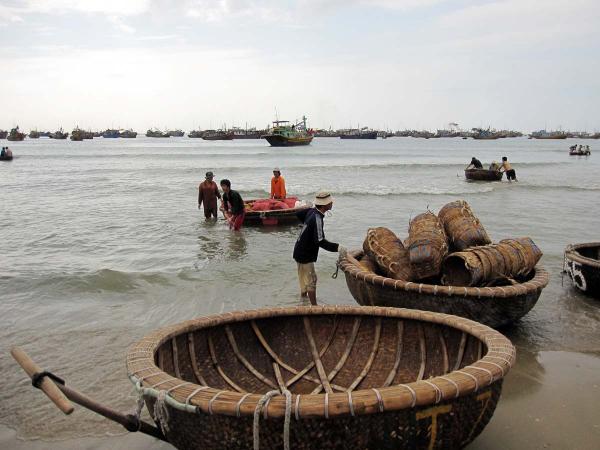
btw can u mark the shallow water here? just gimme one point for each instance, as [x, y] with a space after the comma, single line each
[103, 243]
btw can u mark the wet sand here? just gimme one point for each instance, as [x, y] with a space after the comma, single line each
[550, 400]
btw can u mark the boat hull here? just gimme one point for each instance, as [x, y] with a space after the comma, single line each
[582, 265]
[273, 217]
[218, 138]
[6, 158]
[281, 141]
[372, 135]
[483, 175]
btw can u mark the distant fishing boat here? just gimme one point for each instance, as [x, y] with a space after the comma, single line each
[195, 134]
[15, 135]
[3, 134]
[156, 133]
[247, 133]
[175, 133]
[128, 134]
[77, 134]
[110, 134]
[284, 135]
[34, 134]
[543, 134]
[362, 133]
[481, 134]
[60, 134]
[217, 135]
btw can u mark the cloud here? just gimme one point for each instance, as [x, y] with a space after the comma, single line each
[107, 7]
[121, 25]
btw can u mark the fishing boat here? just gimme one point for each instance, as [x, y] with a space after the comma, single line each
[217, 135]
[335, 377]
[195, 134]
[582, 264]
[485, 134]
[77, 134]
[60, 134]
[128, 134]
[111, 134]
[6, 157]
[483, 175]
[155, 133]
[273, 217]
[15, 135]
[175, 133]
[493, 306]
[246, 133]
[3, 134]
[34, 134]
[543, 134]
[359, 133]
[284, 135]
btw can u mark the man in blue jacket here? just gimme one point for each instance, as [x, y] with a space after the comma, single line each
[306, 249]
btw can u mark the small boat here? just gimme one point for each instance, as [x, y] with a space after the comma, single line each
[362, 133]
[59, 135]
[335, 377]
[110, 134]
[217, 135]
[273, 216]
[492, 306]
[77, 134]
[3, 134]
[176, 133]
[6, 158]
[128, 134]
[34, 134]
[582, 264]
[155, 133]
[15, 135]
[483, 175]
[284, 135]
[485, 134]
[581, 151]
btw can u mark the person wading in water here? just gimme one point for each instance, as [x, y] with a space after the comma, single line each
[233, 206]
[277, 185]
[306, 249]
[208, 193]
[510, 172]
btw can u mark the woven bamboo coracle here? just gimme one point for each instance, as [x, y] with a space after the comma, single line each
[463, 229]
[477, 266]
[492, 306]
[427, 246]
[369, 264]
[322, 377]
[389, 253]
[582, 264]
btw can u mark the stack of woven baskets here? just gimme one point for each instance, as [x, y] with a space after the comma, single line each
[451, 248]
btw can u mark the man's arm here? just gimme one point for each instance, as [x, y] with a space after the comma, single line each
[283, 193]
[324, 243]
[199, 196]
[217, 193]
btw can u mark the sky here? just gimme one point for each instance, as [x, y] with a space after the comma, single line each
[395, 64]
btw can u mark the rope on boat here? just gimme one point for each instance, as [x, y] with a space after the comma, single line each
[286, 423]
[161, 413]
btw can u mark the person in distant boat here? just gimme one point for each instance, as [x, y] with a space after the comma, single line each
[7, 152]
[312, 237]
[277, 185]
[507, 168]
[475, 164]
[494, 166]
[233, 206]
[573, 147]
[208, 193]
[2, 152]
[587, 149]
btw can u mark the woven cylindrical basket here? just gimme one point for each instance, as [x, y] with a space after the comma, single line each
[493, 306]
[427, 246]
[477, 266]
[463, 229]
[384, 247]
[582, 264]
[345, 378]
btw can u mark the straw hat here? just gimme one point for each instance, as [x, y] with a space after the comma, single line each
[323, 198]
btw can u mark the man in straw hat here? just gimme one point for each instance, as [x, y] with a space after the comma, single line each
[306, 249]
[208, 193]
[277, 185]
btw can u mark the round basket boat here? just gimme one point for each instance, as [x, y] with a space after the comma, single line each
[273, 217]
[582, 264]
[336, 377]
[483, 175]
[492, 306]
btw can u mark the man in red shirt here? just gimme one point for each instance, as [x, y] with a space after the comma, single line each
[208, 193]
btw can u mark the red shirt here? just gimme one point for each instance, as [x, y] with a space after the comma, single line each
[208, 192]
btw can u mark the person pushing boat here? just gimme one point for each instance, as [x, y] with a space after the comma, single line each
[233, 206]
[507, 168]
[475, 164]
[312, 237]
[277, 185]
[208, 193]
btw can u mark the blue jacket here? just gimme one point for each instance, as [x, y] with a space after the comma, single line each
[306, 249]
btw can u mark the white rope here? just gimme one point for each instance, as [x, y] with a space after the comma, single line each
[286, 423]
[138, 408]
[161, 413]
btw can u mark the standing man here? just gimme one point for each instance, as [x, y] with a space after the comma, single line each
[233, 206]
[208, 193]
[306, 249]
[510, 172]
[277, 185]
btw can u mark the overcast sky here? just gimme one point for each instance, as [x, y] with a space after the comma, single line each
[519, 64]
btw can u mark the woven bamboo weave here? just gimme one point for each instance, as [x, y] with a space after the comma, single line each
[464, 230]
[384, 247]
[403, 378]
[427, 246]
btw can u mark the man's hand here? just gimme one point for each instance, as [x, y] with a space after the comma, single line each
[342, 252]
